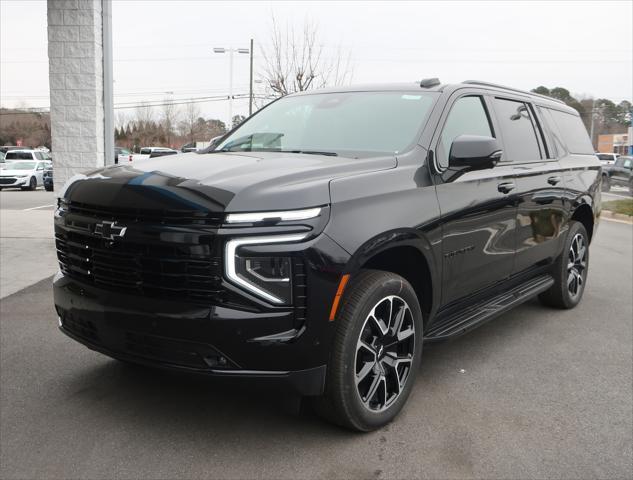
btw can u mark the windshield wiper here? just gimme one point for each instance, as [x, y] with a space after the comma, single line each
[306, 152]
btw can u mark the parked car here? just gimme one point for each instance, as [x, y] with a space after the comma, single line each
[47, 178]
[607, 158]
[330, 235]
[188, 147]
[24, 174]
[620, 173]
[122, 155]
[27, 154]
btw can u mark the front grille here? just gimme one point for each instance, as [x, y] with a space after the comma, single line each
[182, 271]
[164, 217]
[7, 180]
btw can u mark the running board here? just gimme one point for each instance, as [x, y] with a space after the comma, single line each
[478, 314]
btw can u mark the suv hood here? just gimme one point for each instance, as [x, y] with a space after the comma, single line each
[232, 181]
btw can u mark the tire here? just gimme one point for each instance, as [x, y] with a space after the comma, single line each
[32, 184]
[606, 183]
[362, 349]
[48, 189]
[631, 188]
[570, 270]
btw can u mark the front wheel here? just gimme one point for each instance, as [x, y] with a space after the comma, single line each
[570, 270]
[376, 352]
[32, 184]
[606, 183]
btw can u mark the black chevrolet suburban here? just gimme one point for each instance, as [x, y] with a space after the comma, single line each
[330, 236]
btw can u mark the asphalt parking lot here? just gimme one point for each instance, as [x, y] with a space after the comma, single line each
[537, 393]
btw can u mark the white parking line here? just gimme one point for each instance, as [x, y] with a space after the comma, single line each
[41, 206]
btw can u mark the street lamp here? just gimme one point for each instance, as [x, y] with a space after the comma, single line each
[231, 50]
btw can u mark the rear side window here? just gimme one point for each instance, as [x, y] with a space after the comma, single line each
[467, 117]
[518, 130]
[146, 151]
[573, 131]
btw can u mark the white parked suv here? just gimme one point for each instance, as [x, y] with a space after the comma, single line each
[24, 174]
[607, 158]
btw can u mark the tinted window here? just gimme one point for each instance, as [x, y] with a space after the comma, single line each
[467, 117]
[12, 155]
[517, 127]
[146, 151]
[605, 156]
[573, 131]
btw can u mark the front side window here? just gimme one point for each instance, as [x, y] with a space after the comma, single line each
[628, 163]
[346, 123]
[467, 117]
[520, 143]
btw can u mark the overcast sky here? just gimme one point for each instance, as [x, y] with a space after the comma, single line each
[166, 46]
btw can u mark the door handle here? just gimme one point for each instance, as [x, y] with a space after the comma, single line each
[553, 180]
[506, 187]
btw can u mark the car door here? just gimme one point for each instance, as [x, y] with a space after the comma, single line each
[539, 181]
[478, 210]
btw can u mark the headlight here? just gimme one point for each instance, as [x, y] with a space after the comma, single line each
[284, 216]
[267, 277]
[62, 205]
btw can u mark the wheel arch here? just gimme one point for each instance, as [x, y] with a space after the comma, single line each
[584, 214]
[406, 253]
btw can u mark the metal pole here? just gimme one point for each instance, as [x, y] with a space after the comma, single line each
[250, 98]
[229, 125]
[108, 83]
[593, 110]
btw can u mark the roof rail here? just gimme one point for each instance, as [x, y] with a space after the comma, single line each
[488, 84]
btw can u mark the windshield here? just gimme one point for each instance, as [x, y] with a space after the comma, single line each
[331, 123]
[19, 156]
[20, 165]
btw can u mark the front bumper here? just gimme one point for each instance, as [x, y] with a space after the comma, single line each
[226, 341]
[15, 182]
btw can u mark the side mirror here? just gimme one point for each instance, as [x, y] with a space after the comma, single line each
[474, 152]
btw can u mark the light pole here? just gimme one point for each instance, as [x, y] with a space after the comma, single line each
[231, 50]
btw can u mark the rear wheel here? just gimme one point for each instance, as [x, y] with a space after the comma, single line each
[376, 352]
[606, 183]
[570, 270]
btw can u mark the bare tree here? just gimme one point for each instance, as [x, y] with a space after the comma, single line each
[189, 123]
[295, 61]
[169, 119]
[144, 114]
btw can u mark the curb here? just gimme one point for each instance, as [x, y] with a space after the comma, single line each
[616, 217]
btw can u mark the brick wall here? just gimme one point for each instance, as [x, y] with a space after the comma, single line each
[76, 86]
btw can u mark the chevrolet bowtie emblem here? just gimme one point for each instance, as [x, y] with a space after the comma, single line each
[109, 230]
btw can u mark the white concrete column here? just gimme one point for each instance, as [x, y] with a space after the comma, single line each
[75, 58]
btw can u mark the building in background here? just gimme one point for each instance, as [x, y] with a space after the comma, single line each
[616, 143]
